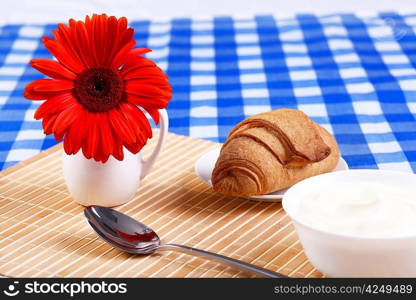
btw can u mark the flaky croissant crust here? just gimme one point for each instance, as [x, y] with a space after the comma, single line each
[271, 151]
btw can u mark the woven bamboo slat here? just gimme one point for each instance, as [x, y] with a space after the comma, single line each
[43, 232]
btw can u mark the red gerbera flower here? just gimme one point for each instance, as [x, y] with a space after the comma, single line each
[96, 84]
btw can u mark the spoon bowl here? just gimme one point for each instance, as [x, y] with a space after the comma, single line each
[121, 230]
[129, 235]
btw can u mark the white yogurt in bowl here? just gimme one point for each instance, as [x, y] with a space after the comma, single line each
[357, 223]
[365, 209]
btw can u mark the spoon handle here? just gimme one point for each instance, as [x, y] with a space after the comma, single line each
[222, 259]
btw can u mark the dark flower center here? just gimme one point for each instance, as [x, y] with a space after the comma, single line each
[98, 90]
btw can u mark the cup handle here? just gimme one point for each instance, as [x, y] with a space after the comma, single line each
[164, 125]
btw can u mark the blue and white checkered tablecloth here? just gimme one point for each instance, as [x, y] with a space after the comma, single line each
[354, 75]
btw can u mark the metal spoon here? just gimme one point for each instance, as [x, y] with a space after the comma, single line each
[129, 235]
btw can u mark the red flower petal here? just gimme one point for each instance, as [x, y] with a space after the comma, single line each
[77, 133]
[48, 122]
[64, 36]
[135, 148]
[54, 105]
[146, 90]
[111, 40]
[60, 136]
[110, 35]
[154, 113]
[126, 53]
[68, 142]
[106, 134]
[153, 102]
[145, 73]
[31, 95]
[63, 55]
[153, 82]
[52, 69]
[96, 33]
[50, 85]
[66, 118]
[122, 35]
[79, 38]
[134, 63]
[101, 143]
[119, 125]
[92, 138]
[136, 116]
[42, 89]
[118, 152]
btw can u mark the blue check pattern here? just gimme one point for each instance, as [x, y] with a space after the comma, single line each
[354, 75]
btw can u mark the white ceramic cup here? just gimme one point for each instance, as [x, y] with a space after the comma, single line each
[114, 182]
[341, 255]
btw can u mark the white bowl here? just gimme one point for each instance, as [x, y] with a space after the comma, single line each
[342, 255]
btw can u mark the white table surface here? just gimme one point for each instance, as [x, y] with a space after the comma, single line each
[41, 11]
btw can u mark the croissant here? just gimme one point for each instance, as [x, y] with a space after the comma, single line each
[272, 151]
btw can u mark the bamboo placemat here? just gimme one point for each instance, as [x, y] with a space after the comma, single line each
[43, 232]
